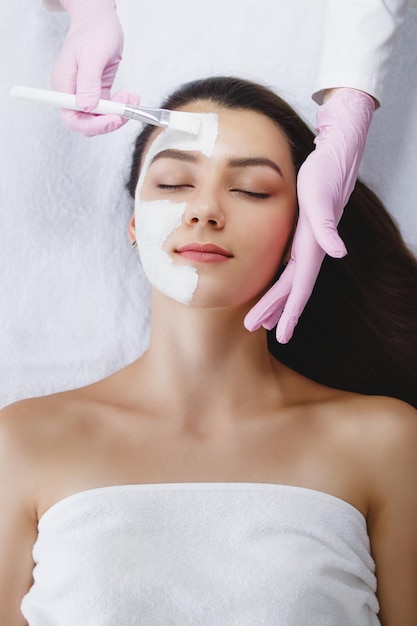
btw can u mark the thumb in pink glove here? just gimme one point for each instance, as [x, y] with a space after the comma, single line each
[88, 63]
[324, 184]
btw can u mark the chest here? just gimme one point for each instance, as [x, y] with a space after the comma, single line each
[293, 451]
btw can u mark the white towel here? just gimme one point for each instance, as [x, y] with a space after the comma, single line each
[202, 554]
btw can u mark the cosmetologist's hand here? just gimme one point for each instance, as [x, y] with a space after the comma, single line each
[324, 184]
[88, 62]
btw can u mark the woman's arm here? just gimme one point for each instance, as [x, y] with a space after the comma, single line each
[393, 515]
[18, 524]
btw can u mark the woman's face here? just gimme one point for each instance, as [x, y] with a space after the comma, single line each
[214, 216]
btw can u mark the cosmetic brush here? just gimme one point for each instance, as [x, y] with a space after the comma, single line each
[177, 120]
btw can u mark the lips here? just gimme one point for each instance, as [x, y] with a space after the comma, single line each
[204, 253]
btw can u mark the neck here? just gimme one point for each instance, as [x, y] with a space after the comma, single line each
[203, 360]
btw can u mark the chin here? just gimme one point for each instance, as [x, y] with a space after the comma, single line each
[213, 293]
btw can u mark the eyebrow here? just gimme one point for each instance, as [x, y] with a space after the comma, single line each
[179, 155]
[256, 162]
[190, 157]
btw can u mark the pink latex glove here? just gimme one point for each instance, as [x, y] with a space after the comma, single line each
[88, 63]
[324, 184]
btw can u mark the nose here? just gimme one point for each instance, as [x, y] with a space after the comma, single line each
[205, 209]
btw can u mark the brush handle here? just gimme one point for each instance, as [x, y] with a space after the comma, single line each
[64, 100]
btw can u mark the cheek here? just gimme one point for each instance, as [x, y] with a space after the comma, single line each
[273, 233]
[266, 246]
[155, 221]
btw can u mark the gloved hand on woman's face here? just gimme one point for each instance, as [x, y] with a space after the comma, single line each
[88, 62]
[324, 184]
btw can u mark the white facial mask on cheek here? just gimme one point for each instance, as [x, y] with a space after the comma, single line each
[156, 220]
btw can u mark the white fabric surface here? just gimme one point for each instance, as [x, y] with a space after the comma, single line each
[358, 41]
[212, 554]
[74, 303]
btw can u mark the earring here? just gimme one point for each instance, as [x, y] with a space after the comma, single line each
[134, 244]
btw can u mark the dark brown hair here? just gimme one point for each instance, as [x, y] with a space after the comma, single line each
[358, 331]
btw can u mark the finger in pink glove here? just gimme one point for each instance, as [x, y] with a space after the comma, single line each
[293, 289]
[100, 124]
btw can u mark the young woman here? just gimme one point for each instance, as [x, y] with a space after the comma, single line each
[209, 482]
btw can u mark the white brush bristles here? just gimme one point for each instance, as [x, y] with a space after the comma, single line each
[186, 122]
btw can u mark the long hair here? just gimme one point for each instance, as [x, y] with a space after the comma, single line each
[358, 331]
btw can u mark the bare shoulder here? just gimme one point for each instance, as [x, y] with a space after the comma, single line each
[392, 446]
[384, 430]
[385, 439]
[387, 424]
[49, 431]
[33, 419]
[26, 422]
[389, 429]
[379, 418]
[27, 429]
[380, 435]
[21, 454]
[32, 431]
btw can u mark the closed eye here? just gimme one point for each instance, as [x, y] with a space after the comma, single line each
[253, 194]
[172, 187]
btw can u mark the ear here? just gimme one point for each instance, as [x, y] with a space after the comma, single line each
[131, 229]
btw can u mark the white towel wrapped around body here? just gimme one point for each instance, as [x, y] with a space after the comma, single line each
[218, 554]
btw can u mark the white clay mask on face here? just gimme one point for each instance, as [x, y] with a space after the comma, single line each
[156, 220]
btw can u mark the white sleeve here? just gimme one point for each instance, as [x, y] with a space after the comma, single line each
[52, 5]
[359, 37]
